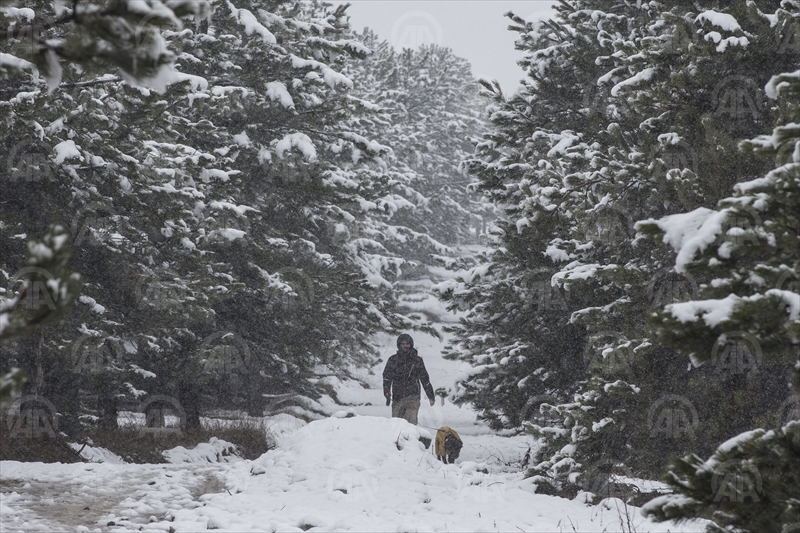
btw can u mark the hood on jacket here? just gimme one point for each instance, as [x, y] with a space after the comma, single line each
[405, 337]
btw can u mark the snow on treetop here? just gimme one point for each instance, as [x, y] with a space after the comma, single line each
[561, 147]
[238, 209]
[298, 140]
[720, 20]
[688, 233]
[7, 62]
[732, 444]
[66, 150]
[779, 82]
[713, 312]
[18, 13]
[195, 82]
[154, 10]
[578, 270]
[556, 254]
[276, 91]
[331, 77]
[722, 44]
[790, 299]
[251, 24]
[644, 75]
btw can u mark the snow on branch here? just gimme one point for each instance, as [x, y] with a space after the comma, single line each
[251, 24]
[688, 233]
[298, 140]
[644, 75]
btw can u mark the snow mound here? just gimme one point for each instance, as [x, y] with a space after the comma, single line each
[96, 454]
[214, 451]
[348, 455]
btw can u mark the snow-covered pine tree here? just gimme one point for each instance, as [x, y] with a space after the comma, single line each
[45, 37]
[303, 241]
[588, 190]
[647, 75]
[429, 114]
[224, 229]
[92, 164]
[683, 124]
[517, 332]
[750, 310]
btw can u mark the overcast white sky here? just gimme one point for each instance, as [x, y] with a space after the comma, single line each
[475, 30]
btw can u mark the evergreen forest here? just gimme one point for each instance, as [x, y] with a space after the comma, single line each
[215, 201]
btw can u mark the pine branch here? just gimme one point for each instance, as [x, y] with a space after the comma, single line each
[35, 30]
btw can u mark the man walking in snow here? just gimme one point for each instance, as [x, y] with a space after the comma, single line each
[402, 376]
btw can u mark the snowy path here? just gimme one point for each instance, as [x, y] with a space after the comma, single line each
[61, 497]
[360, 474]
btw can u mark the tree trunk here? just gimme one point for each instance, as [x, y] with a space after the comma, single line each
[108, 412]
[189, 397]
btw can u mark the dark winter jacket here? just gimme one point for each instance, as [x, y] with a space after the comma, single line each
[403, 374]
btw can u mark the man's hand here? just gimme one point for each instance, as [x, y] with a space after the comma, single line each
[388, 401]
[433, 401]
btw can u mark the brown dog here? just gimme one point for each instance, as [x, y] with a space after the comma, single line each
[448, 445]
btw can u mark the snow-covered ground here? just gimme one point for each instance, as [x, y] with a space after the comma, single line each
[364, 474]
[357, 471]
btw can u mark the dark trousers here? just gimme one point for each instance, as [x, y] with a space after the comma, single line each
[406, 408]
